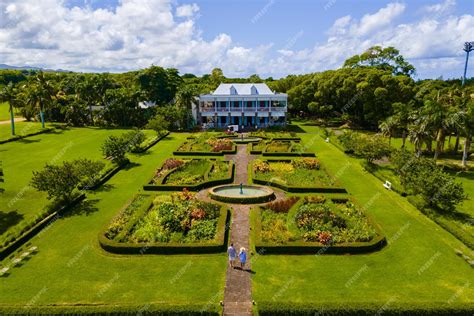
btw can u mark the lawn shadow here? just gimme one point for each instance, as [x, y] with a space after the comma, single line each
[131, 165]
[469, 175]
[9, 219]
[105, 188]
[86, 207]
[28, 140]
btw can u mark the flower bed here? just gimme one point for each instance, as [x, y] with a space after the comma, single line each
[179, 223]
[176, 174]
[296, 175]
[275, 135]
[276, 147]
[314, 224]
[204, 145]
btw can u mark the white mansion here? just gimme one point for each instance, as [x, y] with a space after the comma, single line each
[244, 104]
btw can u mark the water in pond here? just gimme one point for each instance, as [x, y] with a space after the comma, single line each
[235, 191]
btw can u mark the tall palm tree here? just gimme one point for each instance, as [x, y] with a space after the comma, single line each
[41, 94]
[184, 100]
[389, 127]
[466, 122]
[8, 94]
[438, 113]
[402, 118]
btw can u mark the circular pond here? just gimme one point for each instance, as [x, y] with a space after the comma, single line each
[242, 194]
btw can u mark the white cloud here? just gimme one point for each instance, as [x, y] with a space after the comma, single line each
[187, 10]
[374, 22]
[442, 7]
[138, 33]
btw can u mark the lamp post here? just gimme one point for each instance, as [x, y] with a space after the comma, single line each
[468, 47]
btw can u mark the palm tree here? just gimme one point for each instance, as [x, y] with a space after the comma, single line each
[184, 100]
[418, 130]
[402, 118]
[389, 127]
[466, 122]
[41, 94]
[8, 94]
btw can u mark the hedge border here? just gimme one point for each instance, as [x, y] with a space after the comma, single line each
[304, 247]
[213, 246]
[153, 143]
[294, 189]
[195, 187]
[132, 221]
[41, 224]
[206, 153]
[19, 137]
[363, 308]
[203, 308]
[283, 153]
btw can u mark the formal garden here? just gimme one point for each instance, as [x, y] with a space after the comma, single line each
[133, 218]
[356, 198]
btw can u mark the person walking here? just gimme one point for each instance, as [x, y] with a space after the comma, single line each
[232, 254]
[242, 257]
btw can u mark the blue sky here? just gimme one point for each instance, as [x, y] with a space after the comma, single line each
[268, 37]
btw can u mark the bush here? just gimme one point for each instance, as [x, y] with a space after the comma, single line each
[115, 147]
[59, 181]
[284, 205]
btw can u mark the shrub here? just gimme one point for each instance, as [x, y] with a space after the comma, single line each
[306, 163]
[282, 206]
[59, 181]
[220, 144]
[260, 166]
[115, 147]
[134, 139]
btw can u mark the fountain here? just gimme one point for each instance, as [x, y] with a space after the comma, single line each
[242, 194]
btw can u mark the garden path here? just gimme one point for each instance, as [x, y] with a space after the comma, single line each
[238, 287]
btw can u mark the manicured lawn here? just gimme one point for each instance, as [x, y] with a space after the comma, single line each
[20, 158]
[418, 265]
[21, 129]
[71, 268]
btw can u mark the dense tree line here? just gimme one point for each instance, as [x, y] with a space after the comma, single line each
[372, 90]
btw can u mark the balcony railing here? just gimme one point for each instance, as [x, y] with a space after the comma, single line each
[240, 109]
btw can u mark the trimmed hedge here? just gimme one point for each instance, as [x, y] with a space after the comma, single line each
[151, 143]
[206, 153]
[349, 308]
[132, 221]
[294, 189]
[18, 137]
[288, 154]
[306, 247]
[213, 246]
[196, 187]
[202, 309]
[41, 224]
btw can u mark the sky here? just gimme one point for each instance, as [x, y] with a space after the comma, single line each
[265, 37]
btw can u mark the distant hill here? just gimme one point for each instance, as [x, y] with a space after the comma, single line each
[5, 66]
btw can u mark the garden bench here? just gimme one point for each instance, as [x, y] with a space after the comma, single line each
[16, 261]
[327, 140]
[33, 249]
[4, 271]
[388, 185]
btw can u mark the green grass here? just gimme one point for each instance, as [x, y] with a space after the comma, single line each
[418, 265]
[21, 129]
[71, 268]
[20, 158]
